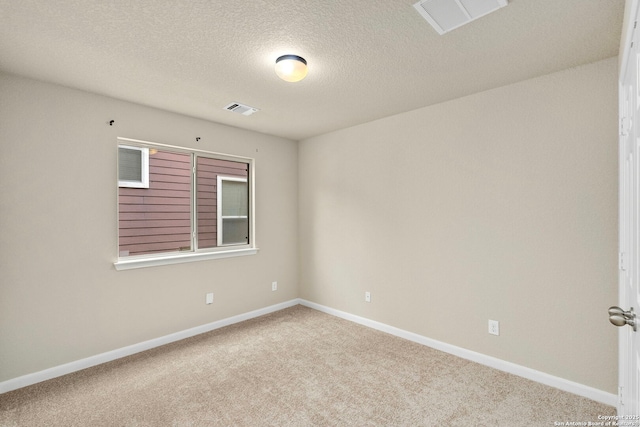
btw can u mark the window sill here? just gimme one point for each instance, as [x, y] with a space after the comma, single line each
[129, 264]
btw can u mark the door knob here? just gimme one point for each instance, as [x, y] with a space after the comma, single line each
[619, 317]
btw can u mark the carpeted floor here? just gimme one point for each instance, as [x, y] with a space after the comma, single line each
[295, 367]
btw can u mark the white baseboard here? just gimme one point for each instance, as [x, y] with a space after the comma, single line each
[78, 365]
[531, 374]
[521, 371]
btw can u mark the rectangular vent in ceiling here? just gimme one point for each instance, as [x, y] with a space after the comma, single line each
[245, 110]
[447, 15]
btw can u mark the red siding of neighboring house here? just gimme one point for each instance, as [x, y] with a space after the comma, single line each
[158, 218]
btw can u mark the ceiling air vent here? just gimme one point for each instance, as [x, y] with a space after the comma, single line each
[245, 110]
[447, 15]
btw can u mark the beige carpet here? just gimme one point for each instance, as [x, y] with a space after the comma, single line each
[296, 367]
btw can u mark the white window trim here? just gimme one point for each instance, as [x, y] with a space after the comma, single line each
[219, 217]
[129, 264]
[144, 169]
[134, 262]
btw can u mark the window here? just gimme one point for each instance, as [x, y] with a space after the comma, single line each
[194, 205]
[133, 167]
[233, 220]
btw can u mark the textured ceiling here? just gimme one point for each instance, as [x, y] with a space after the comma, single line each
[367, 59]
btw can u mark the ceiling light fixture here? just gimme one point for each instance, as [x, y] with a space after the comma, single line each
[291, 68]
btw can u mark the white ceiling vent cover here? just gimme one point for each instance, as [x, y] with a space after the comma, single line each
[447, 15]
[245, 110]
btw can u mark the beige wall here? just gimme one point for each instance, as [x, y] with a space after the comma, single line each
[60, 297]
[500, 205]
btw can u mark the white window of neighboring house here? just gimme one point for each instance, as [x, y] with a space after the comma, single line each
[233, 211]
[133, 167]
[179, 205]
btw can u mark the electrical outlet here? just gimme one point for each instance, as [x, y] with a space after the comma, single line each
[494, 327]
[274, 286]
[209, 299]
[367, 297]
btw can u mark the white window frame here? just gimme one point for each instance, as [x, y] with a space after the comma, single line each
[144, 183]
[227, 251]
[219, 217]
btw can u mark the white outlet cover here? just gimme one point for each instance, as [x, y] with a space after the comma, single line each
[367, 296]
[209, 298]
[494, 327]
[274, 286]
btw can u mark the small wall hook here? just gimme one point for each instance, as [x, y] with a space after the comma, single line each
[111, 122]
[197, 138]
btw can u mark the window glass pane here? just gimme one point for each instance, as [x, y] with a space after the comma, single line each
[208, 170]
[157, 219]
[234, 198]
[235, 231]
[129, 164]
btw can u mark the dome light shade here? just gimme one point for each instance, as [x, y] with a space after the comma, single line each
[291, 68]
